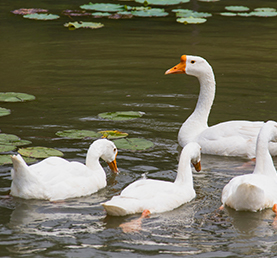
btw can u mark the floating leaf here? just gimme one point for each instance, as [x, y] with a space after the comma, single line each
[113, 134]
[15, 97]
[125, 115]
[264, 14]
[4, 111]
[228, 14]
[6, 159]
[191, 20]
[100, 14]
[153, 12]
[265, 9]
[11, 139]
[78, 25]
[162, 2]
[6, 148]
[23, 11]
[193, 14]
[208, 0]
[237, 8]
[78, 134]
[245, 14]
[133, 144]
[39, 152]
[40, 16]
[103, 7]
[121, 15]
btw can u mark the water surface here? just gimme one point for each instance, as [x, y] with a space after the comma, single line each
[77, 74]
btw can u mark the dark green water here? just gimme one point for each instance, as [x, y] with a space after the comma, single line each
[77, 74]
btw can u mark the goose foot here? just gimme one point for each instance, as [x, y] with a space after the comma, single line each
[274, 223]
[134, 225]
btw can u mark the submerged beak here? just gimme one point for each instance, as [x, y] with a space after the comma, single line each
[179, 68]
[197, 166]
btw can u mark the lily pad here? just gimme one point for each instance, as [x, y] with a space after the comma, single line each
[6, 159]
[79, 134]
[113, 134]
[6, 148]
[11, 139]
[41, 16]
[100, 14]
[153, 12]
[208, 0]
[193, 14]
[161, 2]
[4, 111]
[125, 115]
[15, 97]
[39, 152]
[191, 20]
[264, 14]
[76, 13]
[245, 14]
[265, 9]
[237, 8]
[133, 144]
[228, 14]
[24, 11]
[103, 7]
[78, 25]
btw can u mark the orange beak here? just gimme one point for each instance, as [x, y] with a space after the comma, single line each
[197, 166]
[179, 68]
[113, 165]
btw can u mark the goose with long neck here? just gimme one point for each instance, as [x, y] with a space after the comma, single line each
[156, 195]
[55, 178]
[256, 191]
[231, 138]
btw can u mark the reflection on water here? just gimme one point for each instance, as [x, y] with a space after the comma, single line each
[75, 75]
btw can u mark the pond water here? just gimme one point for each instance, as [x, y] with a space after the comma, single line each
[75, 75]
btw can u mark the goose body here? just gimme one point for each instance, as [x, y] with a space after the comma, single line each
[231, 138]
[258, 190]
[55, 178]
[156, 195]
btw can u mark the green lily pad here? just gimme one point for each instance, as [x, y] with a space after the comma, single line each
[113, 134]
[15, 97]
[39, 152]
[133, 144]
[264, 14]
[265, 9]
[161, 2]
[191, 20]
[228, 14]
[245, 14]
[103, 7]
[11, 141]
[193, 15]
[208, 0]
[6, 159]
[100, 14]
[41, 16]
[23, 11]
[6, 148]
[237, 8]
[79, 134]
[153, 12]
[125, 115]
[4, 111]
[78, 25]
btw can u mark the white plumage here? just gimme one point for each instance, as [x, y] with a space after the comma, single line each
[232, 138]
[258, 190]
[156, 195]
[55, 178]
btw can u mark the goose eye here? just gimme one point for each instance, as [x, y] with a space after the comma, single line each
[192, 61]
[114, 149]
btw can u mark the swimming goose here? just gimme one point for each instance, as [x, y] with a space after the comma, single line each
[55, 178]
[231, 138]
[156, 195]
[258, 190]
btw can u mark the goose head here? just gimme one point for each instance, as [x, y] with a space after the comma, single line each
[107, 151]
[194, 149]
[191, 65]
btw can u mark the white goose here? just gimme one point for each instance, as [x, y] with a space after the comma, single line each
[258, 190]
[55, 178]
[232, 138]
[156, 195]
